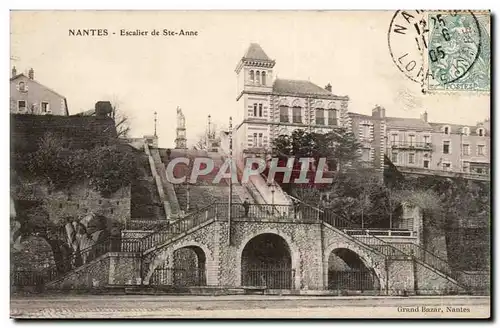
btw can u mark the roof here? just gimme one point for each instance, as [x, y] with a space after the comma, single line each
[299, 87]
[361, 115]
[456, 128]
[256, 52]
[22, 74]
[407, 123]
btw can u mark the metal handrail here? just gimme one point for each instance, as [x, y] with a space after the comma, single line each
[179, 226]
[54, 271]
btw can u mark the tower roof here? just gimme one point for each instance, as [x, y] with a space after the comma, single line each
[255, 52]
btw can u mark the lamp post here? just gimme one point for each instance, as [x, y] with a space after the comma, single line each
[273, 190]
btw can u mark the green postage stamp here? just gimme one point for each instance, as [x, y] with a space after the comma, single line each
[458, 54]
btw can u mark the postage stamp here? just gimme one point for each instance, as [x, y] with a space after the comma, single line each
[442, 50]
[458, 57]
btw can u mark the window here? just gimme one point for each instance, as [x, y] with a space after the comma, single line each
[297, 115]
[260, 139]
[252, 79]
[332, 117]
[466, 149]
[394, 138]
[254, 110]
[320, 116]
[465, 130]
[365, 156]
[426, 140]
[446, 166]
[21, 105]
[411, 158]
[426, 163]
[480, 132]
[479, 170]
[480, 150]
[255, 139]
[446, 147]
[394, 157]
[257, 77]
[263, 78]
[260, 110]
[45, 107]
[446, 130]
[411, 140]
[366, 130]
[22, 87]
[465, 167]
[284, 114]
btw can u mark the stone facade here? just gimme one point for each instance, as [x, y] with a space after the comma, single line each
[270, 107]
[109, 269]
[309, 245]
[78, 201]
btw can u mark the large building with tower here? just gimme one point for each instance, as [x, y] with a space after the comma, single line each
[269, 107]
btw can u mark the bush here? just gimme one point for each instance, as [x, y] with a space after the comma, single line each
[107, 168]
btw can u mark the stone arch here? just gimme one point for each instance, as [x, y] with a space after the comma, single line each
[283, 101]
[294, 254]
[319, 104]
[366, 258]
[167, 256]
[298, 102]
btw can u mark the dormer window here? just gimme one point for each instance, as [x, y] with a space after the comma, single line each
[480, 132]
[22, 87]
[446, 130]
[465, 130]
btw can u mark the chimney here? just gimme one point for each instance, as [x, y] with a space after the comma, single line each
[14, 71]
[424, 116]
[31, 74]
[103, 108]
[378, 112]
[328, 87]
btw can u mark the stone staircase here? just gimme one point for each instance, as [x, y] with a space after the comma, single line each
[397, 252]
[168, 187]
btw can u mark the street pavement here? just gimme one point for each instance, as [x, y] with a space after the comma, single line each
[247, 306]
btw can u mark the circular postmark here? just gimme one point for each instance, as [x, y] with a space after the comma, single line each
[434, 47]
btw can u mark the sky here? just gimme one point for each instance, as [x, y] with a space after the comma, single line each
[144, 74]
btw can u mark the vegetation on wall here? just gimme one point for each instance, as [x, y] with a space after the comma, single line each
[106, 167]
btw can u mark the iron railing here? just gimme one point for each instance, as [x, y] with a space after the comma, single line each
[269, 212]
[381, 246]
[353, 280]
[178, 227]
[178, 277]
[410, 145]
[392, 232]
[268, 277]
[75, 260]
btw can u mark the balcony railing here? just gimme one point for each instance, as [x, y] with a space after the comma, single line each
[444, 172]
[381, 232]
[411, 145]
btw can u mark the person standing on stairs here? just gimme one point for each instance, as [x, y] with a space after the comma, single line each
[246, 206]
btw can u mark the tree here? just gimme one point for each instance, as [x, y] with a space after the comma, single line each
[122, 123]
[339, 147]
